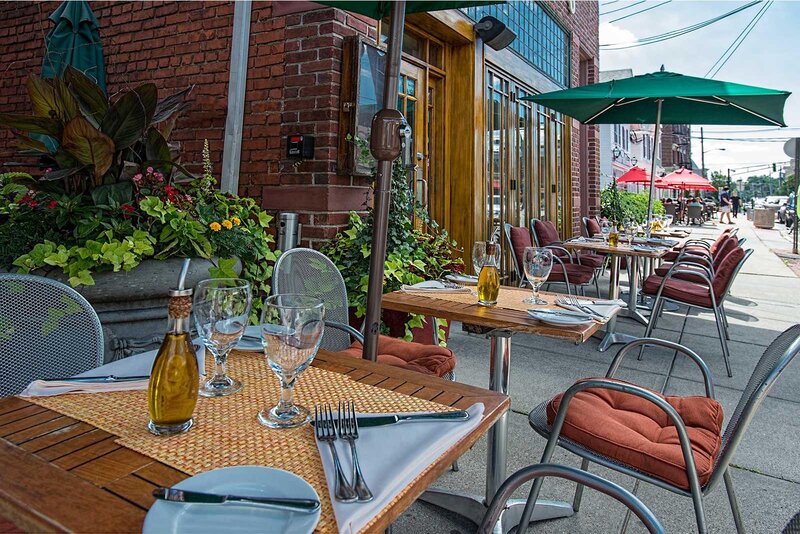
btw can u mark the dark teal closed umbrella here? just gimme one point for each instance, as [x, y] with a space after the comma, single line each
[74, 40]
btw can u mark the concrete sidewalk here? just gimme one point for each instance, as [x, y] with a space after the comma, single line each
[764, 302]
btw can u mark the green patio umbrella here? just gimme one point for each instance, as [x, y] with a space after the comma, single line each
[75, 41]
[667, 98]
[385, 140]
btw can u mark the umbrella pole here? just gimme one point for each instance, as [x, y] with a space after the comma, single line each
[656, 135]
[385, 130]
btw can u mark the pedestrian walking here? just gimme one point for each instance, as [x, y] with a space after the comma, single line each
[725, 205]
[735, 201]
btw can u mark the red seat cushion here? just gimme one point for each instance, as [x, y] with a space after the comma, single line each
[546, 233]
[425, 359]
[639, 434]
[680, 290]
[592, 227]
[520, 238]
[592, 260]
[723, 275]
[578, 274]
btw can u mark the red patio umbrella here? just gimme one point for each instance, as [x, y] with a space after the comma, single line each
[685, 179]
[635, 175]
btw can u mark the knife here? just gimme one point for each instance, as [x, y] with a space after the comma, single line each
[381, 420]
[101, 379]
[296, 505]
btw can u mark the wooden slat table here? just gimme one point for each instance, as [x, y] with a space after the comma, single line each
[503, 322]
[65, 475]
[612, 337]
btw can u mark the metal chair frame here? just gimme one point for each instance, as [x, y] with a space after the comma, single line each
[576, 259]
[584, 478]
[717, 305]
[770, 366]
[341, 323]
[95, 350]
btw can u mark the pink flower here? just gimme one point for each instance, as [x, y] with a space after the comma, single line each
[48, 169]
[137, 178]
[52, 205]
[149, 170]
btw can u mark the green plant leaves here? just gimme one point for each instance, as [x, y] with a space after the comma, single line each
[127, 119]
[28, 143]
[170, 105]
[156, 146]
[112, 194]
[88, 145]
[91, 99]
[31, 124]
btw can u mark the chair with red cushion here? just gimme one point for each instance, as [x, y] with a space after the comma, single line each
[564, 270]
[675, 443]
[700, 246]
[704, 290]
[579, 270]
[307, 271]
[690, 258]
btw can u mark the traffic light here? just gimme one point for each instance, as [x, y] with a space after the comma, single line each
[774, 167]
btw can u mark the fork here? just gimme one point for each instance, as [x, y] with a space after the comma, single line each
[348, 431]
[325, 429]
[576, 303]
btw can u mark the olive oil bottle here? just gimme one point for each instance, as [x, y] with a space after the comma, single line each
[174, 380]
[489, 277]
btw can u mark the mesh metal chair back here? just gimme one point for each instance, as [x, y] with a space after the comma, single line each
[694, 212]
[775, 359]
[307, 271]
[671, 209]
[47, 330]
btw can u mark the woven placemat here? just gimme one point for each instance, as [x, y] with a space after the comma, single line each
[226, 431]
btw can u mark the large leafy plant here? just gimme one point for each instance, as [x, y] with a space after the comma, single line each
[417, 249]
[69, 232]
[619, 206]
[87, 141]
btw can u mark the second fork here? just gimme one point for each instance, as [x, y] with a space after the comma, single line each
[348, 431]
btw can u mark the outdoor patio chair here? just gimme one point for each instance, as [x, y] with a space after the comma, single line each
[700, 257]
[546, 235]
[566, 270]
[47, 330]
[675, 443]
[694, 214]
[671, 209]
[590, 226]
[700, 246]
[584, 478]
[705, 290]
[307, 271]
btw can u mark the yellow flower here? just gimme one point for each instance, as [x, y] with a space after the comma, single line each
[215, 226]
[227, 224]
[237, 221]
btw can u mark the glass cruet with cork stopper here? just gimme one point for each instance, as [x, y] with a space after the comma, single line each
[175, 378]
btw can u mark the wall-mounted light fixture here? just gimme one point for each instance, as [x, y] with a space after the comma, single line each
[634, 160]
[494, 33]
[616, 153]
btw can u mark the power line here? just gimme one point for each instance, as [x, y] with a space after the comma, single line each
[755, 130]
[679, 32]
[745, 139]
[740, 38]
[640, 11]
[623, 8]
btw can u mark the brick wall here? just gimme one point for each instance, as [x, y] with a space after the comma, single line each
[173, 44]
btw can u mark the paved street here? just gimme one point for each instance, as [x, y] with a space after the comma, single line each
[766, 471]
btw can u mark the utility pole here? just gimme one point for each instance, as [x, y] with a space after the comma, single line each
[729, 179]
[796, 192]
[702, 153]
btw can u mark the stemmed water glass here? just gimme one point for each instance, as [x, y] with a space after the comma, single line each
[606, 230]
[291, 331]
[221, 311]
[478, 256]
[537, 262]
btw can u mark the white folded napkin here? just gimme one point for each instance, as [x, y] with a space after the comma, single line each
[391, 457]
[136, 365]
[433, 286]
[603, 308]
[48, 388]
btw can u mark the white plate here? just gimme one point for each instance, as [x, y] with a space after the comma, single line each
[251, 345]
[560, 320]
[248, 480]
[462, 279]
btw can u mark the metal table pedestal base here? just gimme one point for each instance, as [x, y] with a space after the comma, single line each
[474, 507]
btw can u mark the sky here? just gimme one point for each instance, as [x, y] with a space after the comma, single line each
[768, 57]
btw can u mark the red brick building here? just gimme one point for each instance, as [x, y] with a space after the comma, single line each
[484, 155]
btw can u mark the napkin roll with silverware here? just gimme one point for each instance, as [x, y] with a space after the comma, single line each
[435, 286]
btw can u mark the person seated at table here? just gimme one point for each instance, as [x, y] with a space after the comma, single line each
[695, 202]
[667, 200]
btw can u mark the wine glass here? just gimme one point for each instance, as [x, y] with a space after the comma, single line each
[537, 262]
[291, 331]
[605, 230]
[221, 312]
[478, 256]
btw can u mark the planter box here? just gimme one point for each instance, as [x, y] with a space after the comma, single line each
[396, 323]
[132, 306]
[764, 218]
